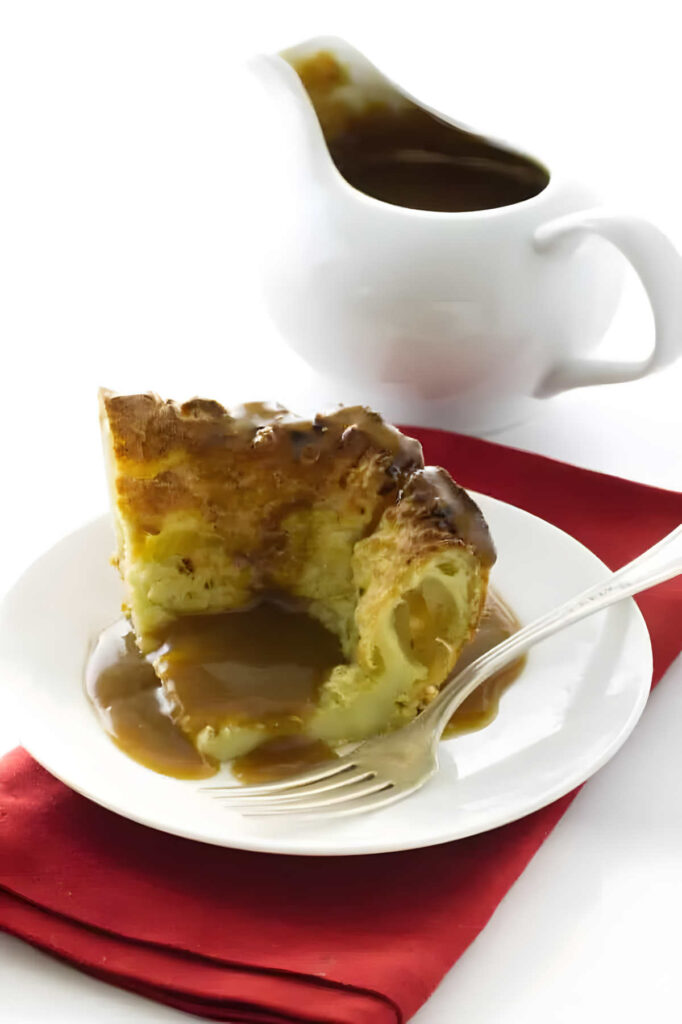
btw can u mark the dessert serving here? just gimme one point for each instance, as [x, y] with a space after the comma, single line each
[291, 586]
[60, 643]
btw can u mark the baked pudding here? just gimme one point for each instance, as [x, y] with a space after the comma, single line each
[287, 577]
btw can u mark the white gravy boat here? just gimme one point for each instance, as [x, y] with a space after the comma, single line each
[490, 308]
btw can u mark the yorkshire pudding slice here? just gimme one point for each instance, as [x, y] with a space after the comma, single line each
[216, 510]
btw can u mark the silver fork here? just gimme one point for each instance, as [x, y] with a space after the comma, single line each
[388, 768]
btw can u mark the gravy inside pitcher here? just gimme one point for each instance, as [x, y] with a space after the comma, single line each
[393, 150]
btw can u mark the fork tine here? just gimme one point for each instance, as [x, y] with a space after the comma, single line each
[344, 779]
[349, 793]
[313, 775]
[384, 799]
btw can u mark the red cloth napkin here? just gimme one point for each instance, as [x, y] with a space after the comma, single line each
[237, 936]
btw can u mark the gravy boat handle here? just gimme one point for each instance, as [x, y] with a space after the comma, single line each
[659, 267]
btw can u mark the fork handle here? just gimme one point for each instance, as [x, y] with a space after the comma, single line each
[661, 562]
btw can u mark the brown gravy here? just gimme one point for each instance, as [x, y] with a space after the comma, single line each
[279, 757]
[130, 704]
[480, 708]
[266, 662]
[408, 157]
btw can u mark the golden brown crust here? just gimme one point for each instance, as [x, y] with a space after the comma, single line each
[432, 494]
[146, 428]
[199, 452]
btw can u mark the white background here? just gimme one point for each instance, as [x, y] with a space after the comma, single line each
[124, 261]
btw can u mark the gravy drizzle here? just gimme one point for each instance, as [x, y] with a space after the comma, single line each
[265, 662]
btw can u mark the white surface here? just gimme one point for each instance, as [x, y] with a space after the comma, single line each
[122, 264]
[580, 695]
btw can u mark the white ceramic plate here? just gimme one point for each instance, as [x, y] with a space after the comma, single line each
[568, 713]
